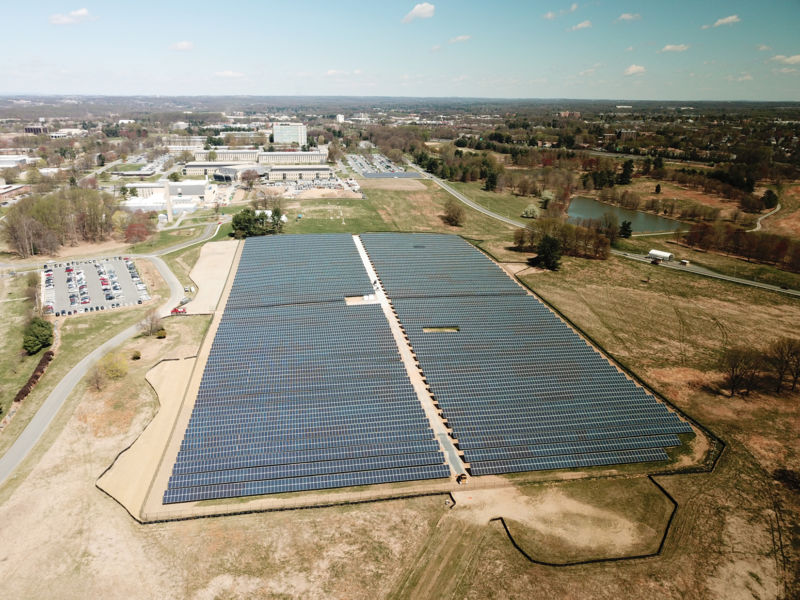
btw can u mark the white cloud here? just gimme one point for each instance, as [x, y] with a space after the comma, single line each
[460, 38]
[335, 72]
[71, 18]
[743, 77]
[229, 74]
[182, 46]
[787, 60]
[420, 11]
[586, 72]
[763, 47]
[549, 15]
[675, 48]
[582, 25]
[723, 21]
[635, 70]
[574, 7]
[357, 72]
[436, 48]
[629, 17]
[787, 70]
[727, 20]
[629, 49]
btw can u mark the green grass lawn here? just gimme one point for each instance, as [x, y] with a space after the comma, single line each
[164, 239]
[15, 364]
[128, 167]
[182, 262]
[503, 203]
[390, 210]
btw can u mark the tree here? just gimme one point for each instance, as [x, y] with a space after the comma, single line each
[769, 199]
[212, 156]
[549, 252]
[101, 160]
[151, 323]
[778, 358]
[624, 178]
[794, 363]
[658, 188]
[741, 366]
[249, 178]
[625, 229]
[454, 213]
[174, 177]
[37, 335]
[491, 181]
[114, 365]
[136, 232]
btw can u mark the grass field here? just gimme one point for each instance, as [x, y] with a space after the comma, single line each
[164, 239]
[389, 210]
[726, 265]
[128, 167]
[503, 203]
[15, 364]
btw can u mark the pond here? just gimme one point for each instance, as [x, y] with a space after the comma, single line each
[589, 208]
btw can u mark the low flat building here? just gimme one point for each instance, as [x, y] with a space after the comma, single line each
[206, 168]
[299, 173]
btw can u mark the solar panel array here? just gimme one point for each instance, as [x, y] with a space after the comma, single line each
[519, 388]
[301, 391]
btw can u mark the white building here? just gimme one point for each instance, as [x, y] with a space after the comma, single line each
[289, 133]
[340, 118]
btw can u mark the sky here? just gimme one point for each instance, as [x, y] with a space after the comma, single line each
[605, 49]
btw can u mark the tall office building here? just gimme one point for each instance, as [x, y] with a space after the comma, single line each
[289, 133]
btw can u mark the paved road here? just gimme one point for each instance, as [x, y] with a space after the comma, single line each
[53, 403]
[689, 269]
[762, 217]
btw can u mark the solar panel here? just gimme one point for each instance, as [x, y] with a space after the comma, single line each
[518, 387]
[302, 391]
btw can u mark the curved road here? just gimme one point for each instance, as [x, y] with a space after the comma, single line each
[53, 403]
[643, 258]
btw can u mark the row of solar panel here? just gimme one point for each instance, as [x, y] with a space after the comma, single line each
[300, 484]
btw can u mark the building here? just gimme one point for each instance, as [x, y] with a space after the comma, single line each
[234, 172]
[9, 191]
[315, 157]
[206, 168]
[35, 129]
[290, 133]
[340, 118]
[67, 133]
[299, 173]
[225, 154]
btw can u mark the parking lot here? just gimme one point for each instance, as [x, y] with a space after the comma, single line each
[84, 286]
[377, 166]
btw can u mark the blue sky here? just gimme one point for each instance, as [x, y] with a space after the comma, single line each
[675, 50]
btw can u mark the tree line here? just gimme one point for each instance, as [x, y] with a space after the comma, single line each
[572, 240]
[747, 368]
[42, 224]
[760, 246]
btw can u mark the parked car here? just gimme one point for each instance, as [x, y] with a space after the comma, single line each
[179, 310]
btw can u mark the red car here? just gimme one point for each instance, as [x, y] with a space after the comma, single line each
[178, 310]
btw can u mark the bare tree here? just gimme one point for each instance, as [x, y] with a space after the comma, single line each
[249, 178]
[779, 359]
[741, 366]
[151, 323]
[96, 378]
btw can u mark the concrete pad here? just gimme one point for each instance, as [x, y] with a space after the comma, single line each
[128, 479]
[210, 273]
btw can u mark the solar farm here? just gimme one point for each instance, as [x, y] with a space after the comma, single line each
[305, 391]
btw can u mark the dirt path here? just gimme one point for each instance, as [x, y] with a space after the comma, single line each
[210, 273]
[129, 477]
